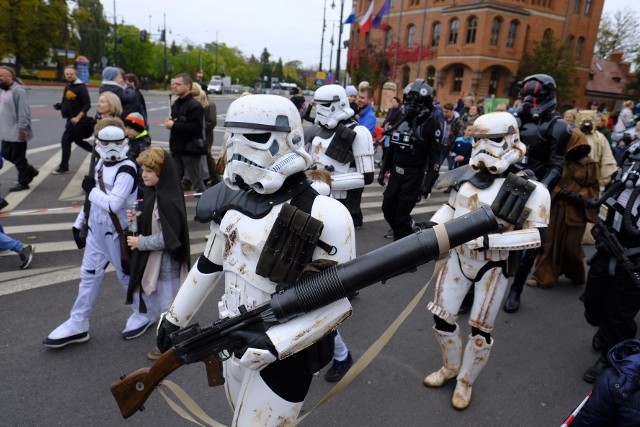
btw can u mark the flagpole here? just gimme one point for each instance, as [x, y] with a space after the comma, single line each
[337, 79]
[324, 26]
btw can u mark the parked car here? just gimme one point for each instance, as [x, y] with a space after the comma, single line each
[215, 85]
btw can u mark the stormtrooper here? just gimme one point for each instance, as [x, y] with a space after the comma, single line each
[338, 144]
[522, 208]
[545, 136]
[266, 224]
[111, 191]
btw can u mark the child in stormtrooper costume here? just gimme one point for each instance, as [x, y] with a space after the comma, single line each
[119, 176]
[522, 208]
[339, 144]
[267, 380]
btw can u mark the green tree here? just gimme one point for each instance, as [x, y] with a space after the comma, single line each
[619, 34]
[266, 69]
[92, 28]
[278, 70]
[135, 56]
[554, 58]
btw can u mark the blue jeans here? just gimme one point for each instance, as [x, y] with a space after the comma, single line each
[9, 244]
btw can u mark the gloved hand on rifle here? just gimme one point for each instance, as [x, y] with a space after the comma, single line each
[165, 329]
[79, 237]
[88, 184]
[262, 351]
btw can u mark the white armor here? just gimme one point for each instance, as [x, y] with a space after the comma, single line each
[236, 244]
[468, 260]
[112, 144]
[332, 106]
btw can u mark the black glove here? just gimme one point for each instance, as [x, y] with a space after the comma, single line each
[252, 339]
[381, 179]
[88, 184]
[79, 237]
[57, 106]
[165, 329]
[425, 225]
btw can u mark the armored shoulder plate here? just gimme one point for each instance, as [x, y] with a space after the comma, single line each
[217, 200]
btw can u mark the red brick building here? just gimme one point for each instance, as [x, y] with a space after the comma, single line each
[475, 46]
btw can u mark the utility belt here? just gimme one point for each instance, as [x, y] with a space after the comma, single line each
[407, 169]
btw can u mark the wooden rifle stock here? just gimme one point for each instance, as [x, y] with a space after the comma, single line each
[133, 390]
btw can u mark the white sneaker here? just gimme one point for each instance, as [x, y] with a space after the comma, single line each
[70, 332]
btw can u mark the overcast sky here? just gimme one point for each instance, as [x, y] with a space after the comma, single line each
[289, 29]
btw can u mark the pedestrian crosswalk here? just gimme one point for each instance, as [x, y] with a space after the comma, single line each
[48, 227]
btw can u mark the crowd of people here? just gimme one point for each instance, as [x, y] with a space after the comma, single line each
[544, 176]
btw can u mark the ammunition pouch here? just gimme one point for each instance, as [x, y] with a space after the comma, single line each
[510, 203]
[290, 245]
[341, 146]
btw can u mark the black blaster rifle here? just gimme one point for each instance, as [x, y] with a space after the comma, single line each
[212, 344]
[618, 251]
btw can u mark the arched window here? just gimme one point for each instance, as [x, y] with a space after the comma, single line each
[570, 40]
[494, 81]
[431, 76]
[388, 37]
[587, 7]
[454, 26]
[580, 48]
[458, 77]
[547, 35]
[406, 71]
[495, 31]
[576, 6]
[472, 28]
[411, 36]
[512, 34]
[435, 34]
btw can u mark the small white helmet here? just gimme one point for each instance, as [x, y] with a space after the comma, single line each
[265, 144]
[332, 105]
[497, 143]
[112, 144]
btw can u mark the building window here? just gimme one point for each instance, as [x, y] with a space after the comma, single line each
[431, 76]
[414, 3]
[472, 27]
[406, 71]
[570, 40]
[435, 34]
[458, 77]
[587, 7]
[580, 48]
[513, 32]
[547, 35]
[495, 31]
[388, 36]
[494, 81]
[453, 31]
[411, 36]
[576, 6]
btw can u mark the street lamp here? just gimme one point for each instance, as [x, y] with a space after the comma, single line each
[333, 5]
[324, 27]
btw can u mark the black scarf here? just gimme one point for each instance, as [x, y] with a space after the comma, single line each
[173, 219]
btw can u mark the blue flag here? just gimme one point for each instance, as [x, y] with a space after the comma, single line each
[384, 10]
[351, 18]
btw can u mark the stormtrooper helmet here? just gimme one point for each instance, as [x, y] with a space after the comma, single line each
[497, 143]
[265, 144]
[537, 96]
[332, 105]
[111, 144]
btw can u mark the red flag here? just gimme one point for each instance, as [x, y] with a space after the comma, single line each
[365, 21]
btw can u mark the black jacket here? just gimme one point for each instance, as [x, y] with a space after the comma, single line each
[75, 99]
[188, 116]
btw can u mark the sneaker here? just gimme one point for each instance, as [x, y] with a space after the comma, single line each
[3, 204]
[26, 256]
[18, 187]
[135, 333]
[154, 354]
[389, 234]
[69, 332]
[60, 171]
[61, 342]
[338, 369]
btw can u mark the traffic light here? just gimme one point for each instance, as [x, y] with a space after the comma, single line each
[162, 35]
[143, 36]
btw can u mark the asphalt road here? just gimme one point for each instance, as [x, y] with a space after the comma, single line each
[533, 377]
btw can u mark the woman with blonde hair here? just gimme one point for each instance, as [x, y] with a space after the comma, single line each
[108, 105]
[210, 121]
[624, 118]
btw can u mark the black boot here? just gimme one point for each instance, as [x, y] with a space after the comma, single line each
[512, 304]
[594, 372]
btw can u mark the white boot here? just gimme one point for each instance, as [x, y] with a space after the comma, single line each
[451, 349]
[476, 354]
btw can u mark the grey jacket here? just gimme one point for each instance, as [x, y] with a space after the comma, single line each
[169, 267]
[15, 113]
